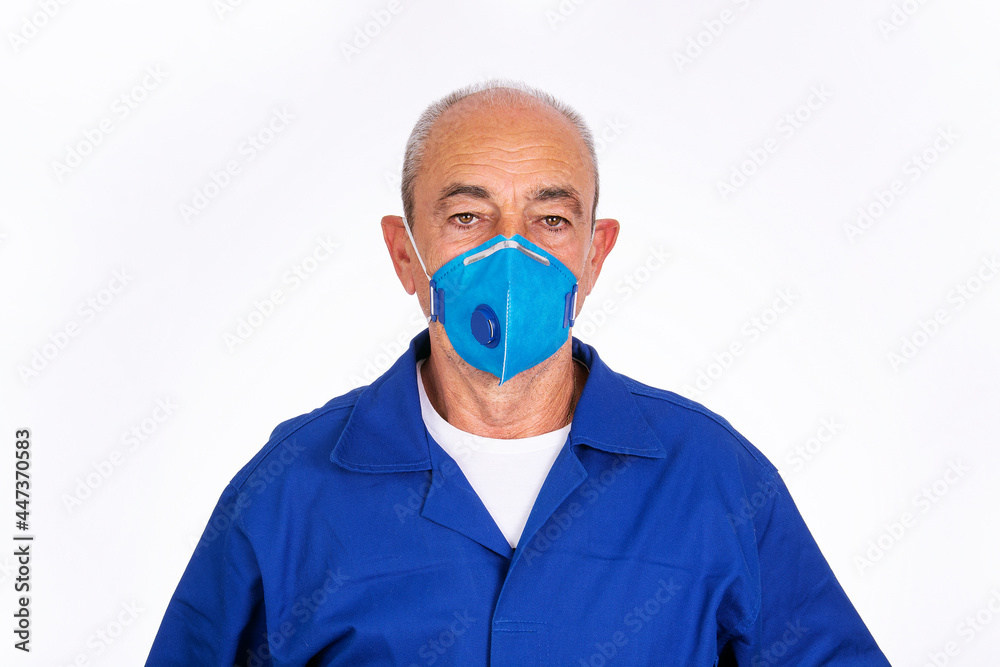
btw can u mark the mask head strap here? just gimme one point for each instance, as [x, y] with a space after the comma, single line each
[436, 295]
[409, 233]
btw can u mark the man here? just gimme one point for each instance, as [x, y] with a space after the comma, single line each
[500, 496]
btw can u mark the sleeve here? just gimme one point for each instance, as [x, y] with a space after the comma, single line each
[216, 615]
[805, 617]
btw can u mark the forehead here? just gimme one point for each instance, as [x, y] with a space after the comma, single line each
[517, 141]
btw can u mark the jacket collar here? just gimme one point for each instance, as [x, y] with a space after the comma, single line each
[385, 432]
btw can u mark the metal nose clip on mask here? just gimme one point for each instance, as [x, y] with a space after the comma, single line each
[506, 305]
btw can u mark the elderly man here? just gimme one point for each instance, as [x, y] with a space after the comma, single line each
[500, 496]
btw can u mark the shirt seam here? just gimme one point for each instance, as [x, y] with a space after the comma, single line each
[269, 447]
[636, 388]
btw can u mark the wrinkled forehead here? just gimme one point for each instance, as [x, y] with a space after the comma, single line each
[518, 134]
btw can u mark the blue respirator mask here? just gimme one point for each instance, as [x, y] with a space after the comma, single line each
[506, 305]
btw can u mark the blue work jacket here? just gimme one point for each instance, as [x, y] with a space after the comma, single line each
[660, 537]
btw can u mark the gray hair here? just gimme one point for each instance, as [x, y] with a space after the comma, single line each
[501, 92]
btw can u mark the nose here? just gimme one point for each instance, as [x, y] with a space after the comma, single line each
[512, 223]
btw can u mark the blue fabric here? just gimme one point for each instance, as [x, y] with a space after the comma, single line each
[529, 298]
[660, 537]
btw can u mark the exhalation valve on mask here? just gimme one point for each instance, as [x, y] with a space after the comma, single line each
[506, 305]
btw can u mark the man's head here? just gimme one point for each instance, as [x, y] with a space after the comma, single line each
[492, 93]
[498, 159]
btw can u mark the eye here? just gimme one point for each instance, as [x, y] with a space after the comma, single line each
[554, 221]
[464, 219]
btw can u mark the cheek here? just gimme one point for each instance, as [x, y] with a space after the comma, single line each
[587, 277]
[573, 254]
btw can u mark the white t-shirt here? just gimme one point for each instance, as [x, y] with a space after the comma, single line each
[506, 474]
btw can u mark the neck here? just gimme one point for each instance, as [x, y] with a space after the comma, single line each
[536, 401]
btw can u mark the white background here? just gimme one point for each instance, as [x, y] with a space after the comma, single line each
[672, 131]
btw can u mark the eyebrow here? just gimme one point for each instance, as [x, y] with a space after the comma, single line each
[460, 190]
[566, 194]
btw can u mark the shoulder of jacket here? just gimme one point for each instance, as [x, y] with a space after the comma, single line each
[330, 416]
[674, 406]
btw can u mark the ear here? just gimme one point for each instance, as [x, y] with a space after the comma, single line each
[605, 235]
[400, 251]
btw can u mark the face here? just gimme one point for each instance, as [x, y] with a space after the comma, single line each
[493, 170]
